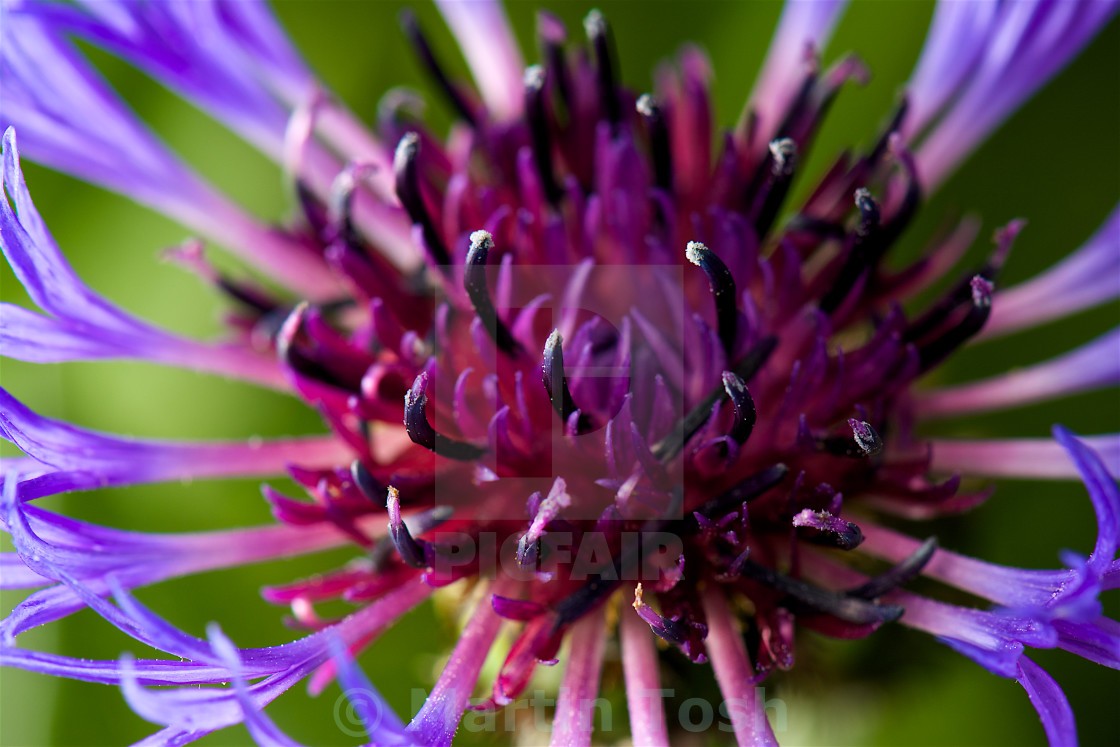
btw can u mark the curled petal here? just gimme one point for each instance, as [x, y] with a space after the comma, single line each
[1050, 702]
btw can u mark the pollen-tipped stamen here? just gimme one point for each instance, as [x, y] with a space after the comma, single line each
[937, 350]
[658, 130]
[722, 285]
[478, 290]
[556, 382]
[599, 34]
[782, 160]
[866, 250]
[412, 552]
[864, 441]
[664, 628]
[538, 130]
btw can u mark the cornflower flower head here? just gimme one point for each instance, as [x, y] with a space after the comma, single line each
[586, 371]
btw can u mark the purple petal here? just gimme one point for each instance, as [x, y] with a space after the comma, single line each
[1097, 641]
[483, 33]
[190, 49]
[107, 672]
[1103, 492]
[824, 528]
[1095, 365]
[734, 672]
[804, 28]
[994, 640]
[117, 460]
[437, 720]
[231, 59]
[260, 726]
[572, 723]
[82, 325]
[1086, 278]
[643, 682]
[1050, 702]
[71, 120]
[377, 717]
[1024, 458]
[1015, 588]
[1027, 44]
[954, 45]
[1003, 660]
[55, 547]
[15, 575]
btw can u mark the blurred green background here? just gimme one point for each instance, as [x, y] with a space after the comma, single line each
[1057, 163]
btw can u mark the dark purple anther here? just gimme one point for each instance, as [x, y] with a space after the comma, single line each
[423, 434]
[864, 253]
[783, 164]
[869, 212]
[423, 50]
[822, 528]
[783, 157]
[722, 285]
[599, 34]
[552, 34]
[365, 482]
[936, 351]
[538, 131]
[743, 403]
[752, 487]
[847, 608]
[556, 383]
[898, 574]
[748, 366]
[474, 281]
[666, 629]
[662, 155]
[867, 440]
[407, 174]
[412, 552]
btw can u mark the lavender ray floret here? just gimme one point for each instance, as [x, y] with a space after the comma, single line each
[94, 136]
[1084, 279]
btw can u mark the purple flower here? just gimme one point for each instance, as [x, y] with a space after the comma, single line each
[568, 357]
